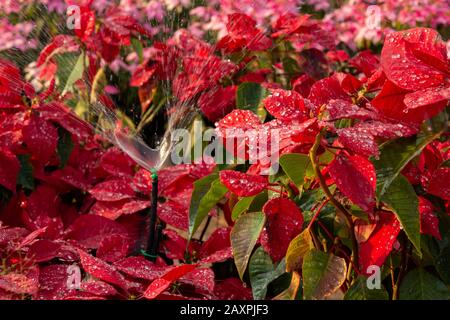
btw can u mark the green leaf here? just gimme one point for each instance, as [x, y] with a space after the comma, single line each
[420, 285]
[323, 274]
[244, 236]
[357, 212]
[207, 192]
[360, 291]
[76, 74]
[402, 199]
[395, 155]
[295, 165]
[259, 201]
[98, 85]
[308, 204]
[137, 46]
[442, 264]
[262, 272]
[291, 292]
[241, 206]
[64, 147]
[445, 163]
[25, 177]
[297, 249]
[5, 196]
[291, 67]
[309, 199]
[249, 96]
[81, 108]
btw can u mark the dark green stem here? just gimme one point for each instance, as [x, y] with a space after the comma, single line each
[337, 204]
[151, 245]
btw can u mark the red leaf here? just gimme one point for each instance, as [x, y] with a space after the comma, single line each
[289, 23]
[361, 137]
[217, 241]
[113, 210]
[232, 289]
[362, 143]
[177, 272]
[422, 104]
[428, 98]
[89, 230]
[157, 287]
[11, 81]
[174, 213]
[366, 62]
[11, 234]
[376, 249]
[218, 256]
[140, 268]
[356, 179]
[429, 223]
[258, 76]
[235, 128]
[337, 56]
[217, 102]
[202, 279]
[194, 80]
[113, 190]
[376, 81]
[53, 282]
[284, 222]
[117, 163]
[29, 239]
[59, 44]
[113, 248]
[242, 184]
[242, 33]
[286, 105]
[174, 245]
[18, 283]
[43, 250]
[341, 109]
[9, 169]
[101, 270]
[303, 85]
[414, 59]
[98, 288]
[239, 119]
[65, 178]
[142, 181]
[325, 90]
[41, 138]
[143, 73]
[349, 83]
[44, 201]
[289, 135]
[82, 296]
[439, 183]
[87, 24]
[387, 130]
[160, 285]
[42, 210]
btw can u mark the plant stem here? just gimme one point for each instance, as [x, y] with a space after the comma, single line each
[317, 213]
[208, 221]
[339, 206]
[403, 265]
[151, 247]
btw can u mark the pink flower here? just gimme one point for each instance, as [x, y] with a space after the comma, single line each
[16, 36]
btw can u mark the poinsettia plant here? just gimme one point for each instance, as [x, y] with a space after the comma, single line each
[359, 208]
